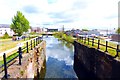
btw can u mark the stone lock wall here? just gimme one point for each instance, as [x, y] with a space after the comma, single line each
[98, 63]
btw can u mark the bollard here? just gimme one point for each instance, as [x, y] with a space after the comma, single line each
[20, 55]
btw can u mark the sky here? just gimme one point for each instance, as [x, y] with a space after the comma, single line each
[77, 14]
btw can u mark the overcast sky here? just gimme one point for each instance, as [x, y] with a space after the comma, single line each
[91, 14]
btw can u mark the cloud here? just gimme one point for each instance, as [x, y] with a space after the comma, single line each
[79, 5]
[51, 1]
[59, 15]
[70, 13]
[64, 21]
[30, 9]
[111, 17]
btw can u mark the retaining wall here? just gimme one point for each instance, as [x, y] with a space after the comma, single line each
[97, 64]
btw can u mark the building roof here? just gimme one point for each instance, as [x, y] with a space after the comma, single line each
[4, 26]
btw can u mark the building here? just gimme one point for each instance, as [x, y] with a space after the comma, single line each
[106, 32]
[5, 28]
[93, 33]
[36, 29]
[52, 30]
[115, 37]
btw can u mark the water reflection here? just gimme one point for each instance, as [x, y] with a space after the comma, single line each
[59, 59]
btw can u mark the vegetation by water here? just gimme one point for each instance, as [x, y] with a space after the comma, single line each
[65, 37]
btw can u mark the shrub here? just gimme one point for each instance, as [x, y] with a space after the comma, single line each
[5, 35]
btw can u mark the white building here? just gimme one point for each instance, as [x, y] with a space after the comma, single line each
[106, 32]
[5, 28]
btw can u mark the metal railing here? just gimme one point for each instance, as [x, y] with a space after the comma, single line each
[88, 40]
[20, 49]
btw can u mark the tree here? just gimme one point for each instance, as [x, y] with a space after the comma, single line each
[118, 30]
[19, 24]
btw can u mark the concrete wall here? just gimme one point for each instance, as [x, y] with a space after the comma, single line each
[97, 63]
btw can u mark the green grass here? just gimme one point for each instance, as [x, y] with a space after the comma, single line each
[6, 46]
[65, 37]
[70, 39]
[15, 54]
[111, 51]
[9, 58]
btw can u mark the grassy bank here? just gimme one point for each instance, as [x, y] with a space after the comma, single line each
[14, 54]
[70, 39]
[63, 36]
[9, 58]
[111, 51]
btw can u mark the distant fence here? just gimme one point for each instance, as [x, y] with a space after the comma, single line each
[88, 40]
[29, 45]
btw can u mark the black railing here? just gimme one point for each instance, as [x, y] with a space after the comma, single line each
[93, 42]
[20, 50]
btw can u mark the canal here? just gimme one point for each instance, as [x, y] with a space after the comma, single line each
[59, 59]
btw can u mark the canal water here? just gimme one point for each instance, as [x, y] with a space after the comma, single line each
[59, 59]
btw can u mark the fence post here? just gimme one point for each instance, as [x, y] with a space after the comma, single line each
[38, 40]
[92, 41]
[98, 44]
[27, 47]
[117, 49]
[24, 38]
[20, 55]
[5, 66]
[106, 46]
[82, 39]
[34, 43]
[31, 44]
[85, 40]
[88, 40]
